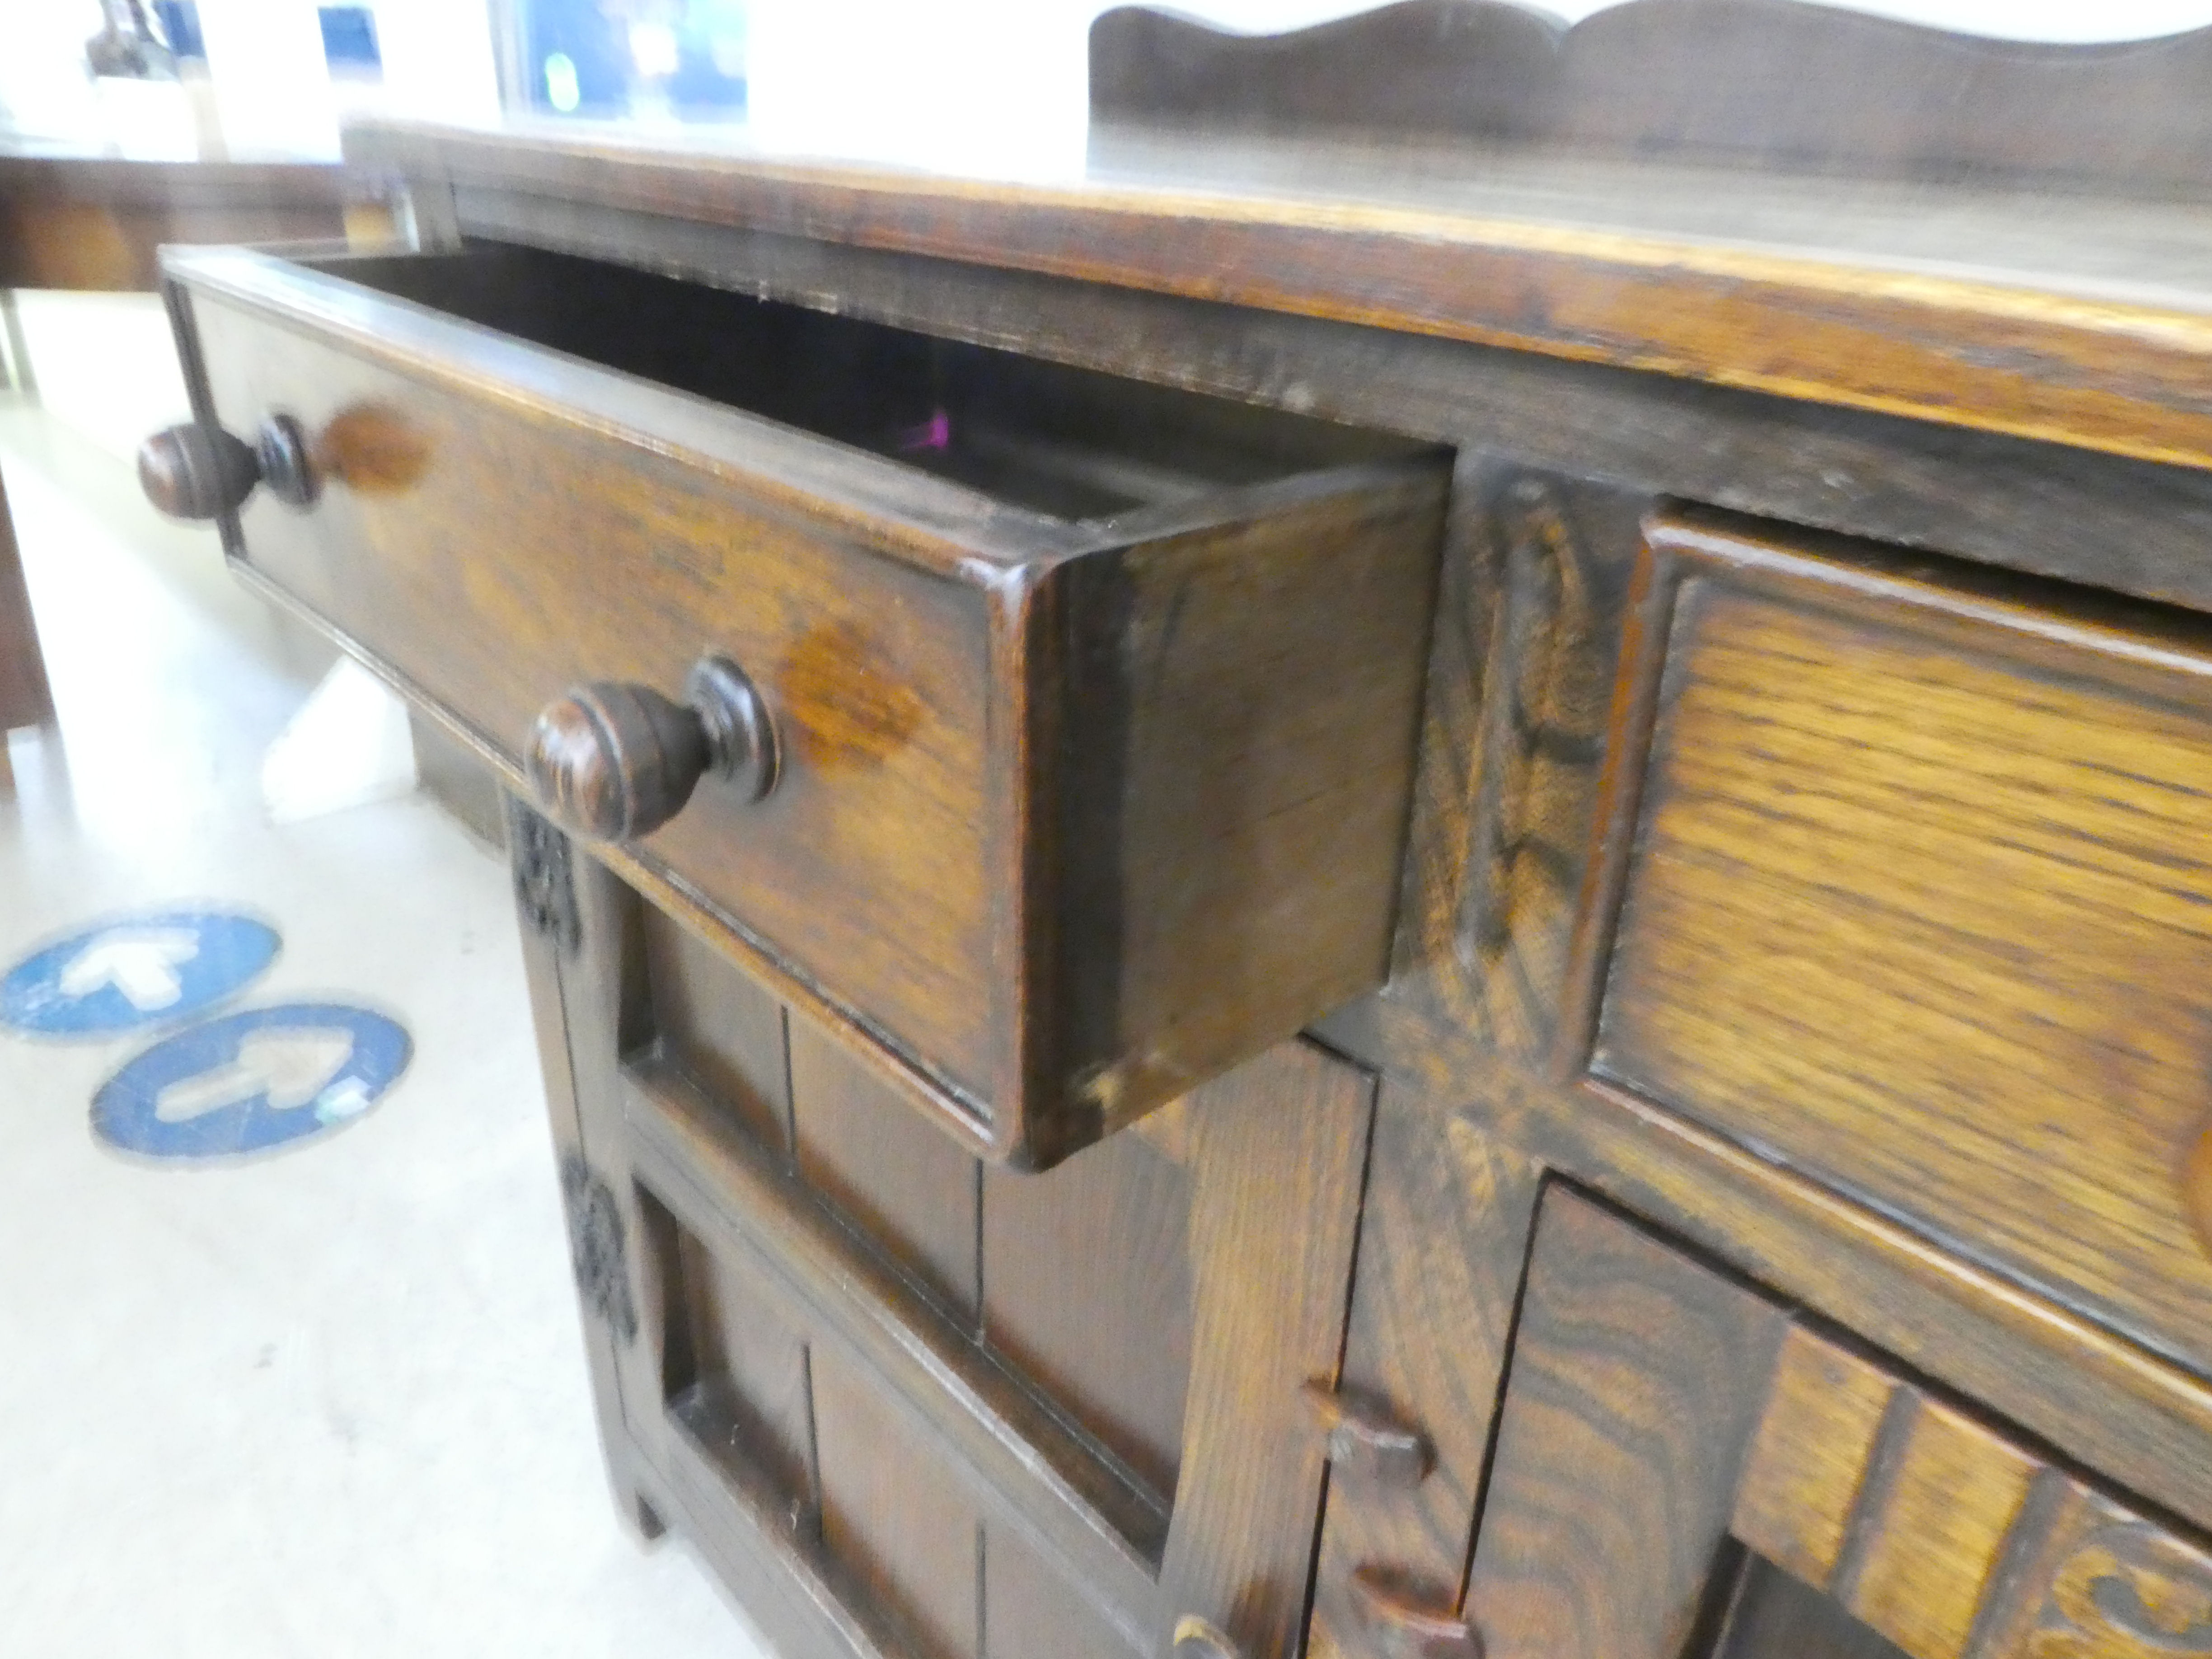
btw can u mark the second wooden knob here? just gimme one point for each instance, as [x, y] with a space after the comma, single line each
[614, 762]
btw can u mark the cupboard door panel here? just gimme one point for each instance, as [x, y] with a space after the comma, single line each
[1637, 1380]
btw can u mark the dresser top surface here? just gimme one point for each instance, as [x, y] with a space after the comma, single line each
[2068, 316]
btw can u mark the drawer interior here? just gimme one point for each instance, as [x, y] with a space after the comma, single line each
[1061, 441]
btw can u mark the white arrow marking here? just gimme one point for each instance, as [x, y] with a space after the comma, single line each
[139, 961]
[291, 1067]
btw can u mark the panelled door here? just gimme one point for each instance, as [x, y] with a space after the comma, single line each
[909, 1405]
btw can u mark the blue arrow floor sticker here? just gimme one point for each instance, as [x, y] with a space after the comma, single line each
[249, 1081]
[135, 971]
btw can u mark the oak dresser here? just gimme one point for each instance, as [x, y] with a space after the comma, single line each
[1421, 874]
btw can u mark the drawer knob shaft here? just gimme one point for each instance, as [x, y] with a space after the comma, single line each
[194, 471]
[1201, 1638]
[1405, 1626]
[612, 762]
[1366, 1440]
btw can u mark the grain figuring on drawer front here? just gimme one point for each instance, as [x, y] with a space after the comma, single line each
[1918, 900]
[1074, 812]
[518, 557]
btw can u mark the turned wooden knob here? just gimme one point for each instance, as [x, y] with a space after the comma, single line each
[1366, 1441]
[1201, 1638]
[1406, 1625]
[197, 471]
[612, 761]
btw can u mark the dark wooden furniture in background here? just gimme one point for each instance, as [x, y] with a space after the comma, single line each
[1731, 538]
[73, 220]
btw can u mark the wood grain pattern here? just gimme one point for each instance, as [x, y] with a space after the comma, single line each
[2012, 347]
[911, 1190]
[1087, 1277]
[1661, 1419]
[1442, 1237]
[2035, 507]
[1277, 1151]
[1139, 760]
[909, 1535]
[1520, 689]
[1282, 1144]
[1637, 1379]
[730, 1359]
[1955, 1540]
[717, 1027]
[1950, 840]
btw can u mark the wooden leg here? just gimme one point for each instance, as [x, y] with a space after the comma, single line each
[25, 696]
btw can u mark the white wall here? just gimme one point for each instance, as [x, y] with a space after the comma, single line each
[946, 80]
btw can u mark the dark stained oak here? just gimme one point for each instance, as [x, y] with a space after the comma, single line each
[1087, 782]
[1760, 803]
[1444, 1236]
[1638, 1378]
[1951, 837]
[615, 763]
[1990, 330]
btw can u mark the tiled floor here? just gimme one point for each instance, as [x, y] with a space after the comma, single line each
[330, 1401]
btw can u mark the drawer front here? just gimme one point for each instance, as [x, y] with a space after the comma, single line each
[501, 556]
[1068, 814]
[1919, 899]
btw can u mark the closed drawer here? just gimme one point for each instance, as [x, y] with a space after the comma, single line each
[1092, 704]
[1919, 900]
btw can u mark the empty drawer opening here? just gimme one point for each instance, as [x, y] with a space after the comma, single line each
[1065, 442]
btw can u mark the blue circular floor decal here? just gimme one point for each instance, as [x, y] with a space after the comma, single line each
[134, 972]
[249, 1081]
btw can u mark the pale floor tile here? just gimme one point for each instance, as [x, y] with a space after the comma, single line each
[332, 1403]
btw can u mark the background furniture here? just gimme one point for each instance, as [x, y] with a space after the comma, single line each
[1743, 1186]
[70, 220]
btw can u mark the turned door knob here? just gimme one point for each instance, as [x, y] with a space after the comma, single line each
[195, 472]
[612, 761]
[1364, 1439]
[1406, 1625]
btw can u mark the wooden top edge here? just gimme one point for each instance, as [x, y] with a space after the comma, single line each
[2098, 363]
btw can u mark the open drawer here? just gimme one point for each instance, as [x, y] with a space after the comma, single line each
[1058, 730]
